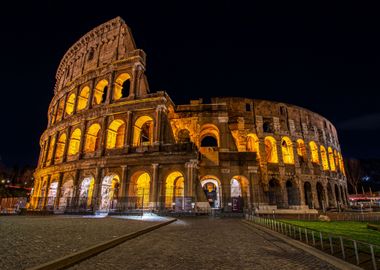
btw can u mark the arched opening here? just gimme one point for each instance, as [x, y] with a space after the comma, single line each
[209, 136]
[121, 87]
[52, 194]
[109, 192]
[308, 195]
[341, 164]
[92, 138]
[60, 109]
[209, 141]
[51, 149]
[183, 136]
[330, 195]
[321, 196]
[143, 131]
[83, 98]
[331, 159]
[142, 190]
[174, 191]
[86, 192]
[70, 104]
[211, 188]
[336, 158]
[271, 149]
[116, 134]
[60, 146]
[74, 142]
[274, 193]
[301, 150]
[100, 92]
[67, 192]
[253, 144]
[287, 151]
[314, 152]
[236, 196]
[293, 194]
[325, 163]
[267, 127]
[343, 198]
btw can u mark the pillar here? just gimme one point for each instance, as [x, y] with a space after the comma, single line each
[153, 187]
[158, 123]
[46, 191]
[67, 143]
[128, 132]
[59, 190]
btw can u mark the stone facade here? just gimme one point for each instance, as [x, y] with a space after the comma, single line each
[111, 145]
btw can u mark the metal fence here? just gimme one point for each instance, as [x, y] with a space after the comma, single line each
[364, 255]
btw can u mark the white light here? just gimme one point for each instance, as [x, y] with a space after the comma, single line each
[3, 181]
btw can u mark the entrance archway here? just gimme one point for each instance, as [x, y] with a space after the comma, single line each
[52, 194]
[330, 195]
[211, 188]
[236, 196]
[337, 196]
[274, 194]
[321, 196]
[308, 195]
[109, 192]
[292, 192]
[66, 194]
[174, 191]
[86, 191]
[141, 190]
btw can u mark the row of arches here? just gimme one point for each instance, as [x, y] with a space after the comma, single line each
[78, 101]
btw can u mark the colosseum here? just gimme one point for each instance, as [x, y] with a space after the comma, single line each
[112, 145]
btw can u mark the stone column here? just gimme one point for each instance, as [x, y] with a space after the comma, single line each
[46, 150]
[67, 143]
[158, 123]
[54, 148]
[111, 87]
[82, 139]
[48, 182]
[59, 189]
[91, 94]
[103, 136]
[76, 190]
[97, 192]
[128, 132]
[153, 187]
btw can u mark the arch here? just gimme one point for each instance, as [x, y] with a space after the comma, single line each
[330, 195]
[341, 163]
[183, 136]
[314, 152]
[70, 104]
[336, 159]
[235, 188]
[301, 150]
[121, 87]
[331, 159]
[74, 142]
[174, 190]
[287, 150]
[321, 196]
[100, 92]
[209, 141]
[240, 193]
[60, 109]
[142, 189]
[86, 192]
[92, 138]
[143, 131]
[271, 149]
[116, 134]
[51, 149]
[253, 144]
[60, 146]
[67, 193]
[212, 189]
[308, 195]
[293, 193]
[52, 193]
[83, 98]
[274, 193]
[109, 192]
[325, 163]
[209, 130]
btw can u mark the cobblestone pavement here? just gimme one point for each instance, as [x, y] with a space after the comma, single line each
[27, 241]
[204, 243]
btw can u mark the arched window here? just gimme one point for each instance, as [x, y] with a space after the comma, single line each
[253, 144]
[341, 164]
[209, 136]
[86, 192]
[173, 188]
[92, 138]
[83, 98]
[143, 131]
[331, 159]
[287, 150]
[51, 148]
[325, 163]
[74, 142]
[121, 88]
[100, 92]
[209, 141]
[336, 158]
[70, 104]
[143, 190]
[61, 107]
[60, 146]
[314, 152]
[271, 149]
[116, 134]
[184, 136]
[301, 150]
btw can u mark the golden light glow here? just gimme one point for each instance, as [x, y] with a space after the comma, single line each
[109, 191]
[92, 138]
[301, 149]
[70, 104]
[61, 107]
[341, 164]
[143, 190]
[143, 131]
[331, 159]
[314, 152]
[336, 158]
[87, 190]
[83, 98]
[173, 187]
[99, 92]
[325, 163]
[253, 144]
[116, 134]
[51, 148]
[287, 150]
[60, 146]
[271, 149]
[74, 142]
[118, 87]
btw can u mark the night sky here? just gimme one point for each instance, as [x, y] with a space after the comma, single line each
[322, 57]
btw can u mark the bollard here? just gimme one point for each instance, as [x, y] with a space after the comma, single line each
[356, 252]
[307, 239]
[321, 238]
[373, 258]
[312, 236]
[331, 245]
[299, 229]
[342, 247]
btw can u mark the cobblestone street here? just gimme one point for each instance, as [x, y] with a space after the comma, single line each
[204, 243]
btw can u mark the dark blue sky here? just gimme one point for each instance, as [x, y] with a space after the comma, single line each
[324, 57]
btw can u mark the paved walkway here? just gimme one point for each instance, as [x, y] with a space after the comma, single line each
[204, 243]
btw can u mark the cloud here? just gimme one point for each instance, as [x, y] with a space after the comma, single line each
[364, 122]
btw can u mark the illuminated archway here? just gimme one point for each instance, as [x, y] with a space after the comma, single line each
[314, 152]
[211, 188]
[253, 144]
[174, 190]
[51, 149]
[67, 192]
[116, 134]
[121, 87]
[60, 146]
[83, 98]
[52, 193]
[325, 163]
[301, 150]
[109, 192]
[271, 149]
[86, 192]
[74, 142]
[92, 138]
[70, 104]
[331, 159]
[140, 189]
[100, 92]
[336, 159]
[143, 131]
[341, 164]
[60, 109]
[287, 150]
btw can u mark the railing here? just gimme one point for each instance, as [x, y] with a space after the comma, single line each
[362, 254]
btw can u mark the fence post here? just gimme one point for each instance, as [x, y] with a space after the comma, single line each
[299, 230]
[312, 236]
[320, 237]
[373, 258]
[356, 252]
[307, 239]
[331, 246]
[342, 247]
